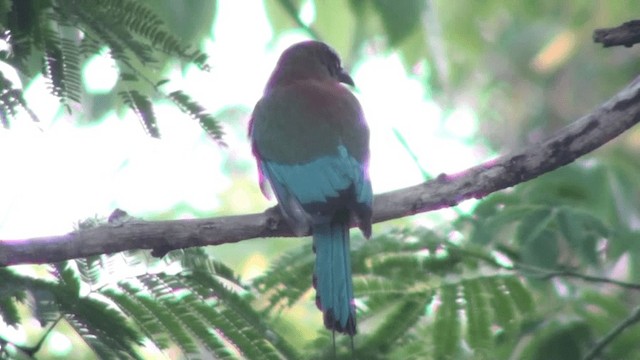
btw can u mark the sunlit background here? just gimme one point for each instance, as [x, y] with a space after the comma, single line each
[60, 171]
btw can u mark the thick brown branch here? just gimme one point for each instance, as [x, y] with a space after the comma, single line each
[581, 137]
[626, 34]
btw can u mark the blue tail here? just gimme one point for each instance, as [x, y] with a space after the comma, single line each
[332, 276]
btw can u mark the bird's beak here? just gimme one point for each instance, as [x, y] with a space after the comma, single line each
[345, 78]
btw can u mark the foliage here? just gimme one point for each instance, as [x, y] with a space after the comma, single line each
[202, 310]
[546, 270]
[62, 34]
[504, 282]
[520, 277]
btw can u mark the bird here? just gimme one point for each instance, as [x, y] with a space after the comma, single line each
[311, 143]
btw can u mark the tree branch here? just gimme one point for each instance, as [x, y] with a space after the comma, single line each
[579, 138]
[607, 339]
[626, 34]
[546, 274]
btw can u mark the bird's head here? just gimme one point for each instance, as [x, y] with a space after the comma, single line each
[308, 60]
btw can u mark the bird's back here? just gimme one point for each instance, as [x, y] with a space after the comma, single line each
[306, 120]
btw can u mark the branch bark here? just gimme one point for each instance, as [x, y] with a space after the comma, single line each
[579, 138]
[626, 35]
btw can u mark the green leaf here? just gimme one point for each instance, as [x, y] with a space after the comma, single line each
[335, 27]
[399, 18]
[563, 342]
[542, 251]
[283, 15]
[533, 224]
[127, 76]
[582, 230]
[489, 226]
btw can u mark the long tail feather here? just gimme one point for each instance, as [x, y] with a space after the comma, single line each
[332, 276]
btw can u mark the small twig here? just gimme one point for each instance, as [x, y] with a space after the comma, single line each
[412, 154]
[30, 351]
[602, 343]
[37, 347]
[544, 274]
[626, 35]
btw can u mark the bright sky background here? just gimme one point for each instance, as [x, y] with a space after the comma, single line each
[57, 173]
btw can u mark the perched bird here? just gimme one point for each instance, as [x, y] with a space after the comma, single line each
[311, 142]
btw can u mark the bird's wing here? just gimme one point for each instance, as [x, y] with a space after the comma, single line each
[311, 142]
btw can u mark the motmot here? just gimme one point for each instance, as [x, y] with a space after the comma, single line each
[311, 143]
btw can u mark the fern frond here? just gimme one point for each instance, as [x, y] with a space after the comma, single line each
[398, 322]
[102, 327]
[446, 334]
[205, 325]
[215, 294]
[217, 323]
[90, 45]
[519, 294]
[242, 323]
[43, 301]
[371, 286]
[141, 20]
[140, 315]
[157, 319]
[104, 345]
[9, 295]
[196, 318]
[171, 300]
[52, 70]
[71, 68]
[501, 304]
[89, 269]
[62, 58]
[197, 112]
[104, 27]
[15, 287]
[143, 108]
[11, 99]
[68, 277]
[288, 279]
[26, 23]
[477, 314]
[488, 308]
